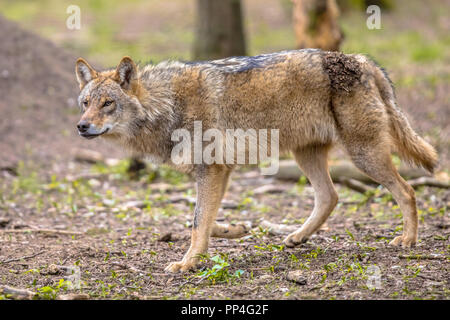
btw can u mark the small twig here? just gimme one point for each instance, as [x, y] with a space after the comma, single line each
[41, 230]
[422, 257]
[432, 278]
[161, 274]
[125, 266]
[152, 297]
[23, 258]
[190, 281]
[355, 185]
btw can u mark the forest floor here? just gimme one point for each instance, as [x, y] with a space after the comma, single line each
[117, 233]
[125, 232]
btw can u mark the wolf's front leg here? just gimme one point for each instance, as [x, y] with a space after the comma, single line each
[211, 183]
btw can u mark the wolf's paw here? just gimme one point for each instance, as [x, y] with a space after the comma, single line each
[180, 266]
[405, 242]
[295, 239]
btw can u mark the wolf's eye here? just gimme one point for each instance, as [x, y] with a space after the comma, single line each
[107, 103]
[85, 103]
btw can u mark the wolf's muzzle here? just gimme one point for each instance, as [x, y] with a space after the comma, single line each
[86, 130]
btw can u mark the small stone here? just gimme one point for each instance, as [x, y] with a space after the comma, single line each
[297, 277]
[264, 279]
[53, 269]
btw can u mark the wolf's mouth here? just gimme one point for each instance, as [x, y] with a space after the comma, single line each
[92, 136]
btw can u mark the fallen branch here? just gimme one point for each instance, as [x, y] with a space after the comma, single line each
[423, 257]
[191, 281]
[16, 294]
[355, 185]
[42, 231]
[125, 266]
[226, 204]
[428, 181]
[269, 188]
[289, 170]
[277, 229]
[23, 258]
[23, 294]
[259, 268]
[415, 183]
[74, 296]
[420, 182]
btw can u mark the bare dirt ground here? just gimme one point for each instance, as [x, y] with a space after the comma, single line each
[120, 232]
[123, 245]
[38, 104]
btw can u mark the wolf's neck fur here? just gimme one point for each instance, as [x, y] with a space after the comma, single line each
[150, 136]
[149, 131]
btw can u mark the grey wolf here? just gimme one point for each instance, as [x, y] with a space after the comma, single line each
[314, 98]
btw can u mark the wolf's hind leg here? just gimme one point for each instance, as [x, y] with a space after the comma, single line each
[375, 161]
[314, 164]
[364, 127]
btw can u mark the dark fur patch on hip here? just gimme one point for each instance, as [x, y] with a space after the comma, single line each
[344, 71]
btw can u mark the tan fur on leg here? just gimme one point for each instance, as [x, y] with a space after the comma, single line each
[377, 164]
[210, 189]
[313, 162]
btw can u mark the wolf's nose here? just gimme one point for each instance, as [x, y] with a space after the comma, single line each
[83, 126]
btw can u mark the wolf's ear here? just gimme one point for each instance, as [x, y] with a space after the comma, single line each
[85, 72]
[126, 73]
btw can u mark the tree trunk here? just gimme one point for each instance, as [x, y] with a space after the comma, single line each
[316, 25]
[219, 29]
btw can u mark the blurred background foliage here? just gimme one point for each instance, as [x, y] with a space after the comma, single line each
[159, 29]
[412, 44]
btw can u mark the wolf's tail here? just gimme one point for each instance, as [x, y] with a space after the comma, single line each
[408, 144]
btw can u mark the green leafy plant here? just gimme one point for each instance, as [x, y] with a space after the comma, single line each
[220, 271]
[50, 292]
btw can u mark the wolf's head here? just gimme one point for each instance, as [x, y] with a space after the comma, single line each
[108, 99]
